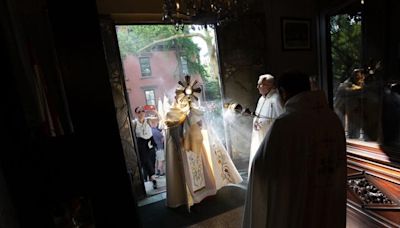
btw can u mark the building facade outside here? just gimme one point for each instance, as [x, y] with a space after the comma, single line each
[153, 75]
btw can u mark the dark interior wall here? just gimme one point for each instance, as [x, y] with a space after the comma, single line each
[85, 159]
[252, 46]
[375, 30]
[279, 60]
[83, 65]
[382, 43]
[8, 216]
[393, 42]
[21, 122]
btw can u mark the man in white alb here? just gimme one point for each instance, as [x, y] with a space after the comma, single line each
[269, 107]
[298, 176]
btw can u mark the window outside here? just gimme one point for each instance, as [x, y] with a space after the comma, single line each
[145, 66]
[150, 97]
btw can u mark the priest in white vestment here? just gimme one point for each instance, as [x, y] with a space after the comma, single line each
[269, 107]
[197, 163]
[298, 176]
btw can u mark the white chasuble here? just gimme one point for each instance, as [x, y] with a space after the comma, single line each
[197, 165]
[224, 170]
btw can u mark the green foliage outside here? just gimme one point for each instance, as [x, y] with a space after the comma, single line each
[138, 38]
[346, 46]
[212, 90]
[132, 39]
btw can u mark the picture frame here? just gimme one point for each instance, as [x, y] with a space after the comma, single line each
[296, 34]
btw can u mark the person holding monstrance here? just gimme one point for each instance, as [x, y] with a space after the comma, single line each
[197, 164]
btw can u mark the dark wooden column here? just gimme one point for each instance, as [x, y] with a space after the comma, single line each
[97, 150]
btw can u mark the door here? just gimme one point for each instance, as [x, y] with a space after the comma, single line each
[122, 108]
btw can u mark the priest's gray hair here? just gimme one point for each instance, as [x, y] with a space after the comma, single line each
[266, 77]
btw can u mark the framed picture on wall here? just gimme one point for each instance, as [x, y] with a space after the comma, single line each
[296, 34]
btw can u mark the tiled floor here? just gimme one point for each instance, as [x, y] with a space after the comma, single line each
[230, 219]
[154, 195]
[157, 214]
[233, 219]
[152, 199]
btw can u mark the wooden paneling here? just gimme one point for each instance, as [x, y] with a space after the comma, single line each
[375, 152]
[384, 172]
[373, 168]
[357, 218]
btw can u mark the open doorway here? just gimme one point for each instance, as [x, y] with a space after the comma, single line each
[154, 58]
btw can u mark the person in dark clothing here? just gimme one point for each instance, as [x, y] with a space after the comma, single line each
[146, 145]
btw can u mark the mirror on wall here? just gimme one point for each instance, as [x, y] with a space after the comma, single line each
[364, 73]
[348, 76]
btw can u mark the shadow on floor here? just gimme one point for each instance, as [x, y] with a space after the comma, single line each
[230, 219]
[158, 215]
